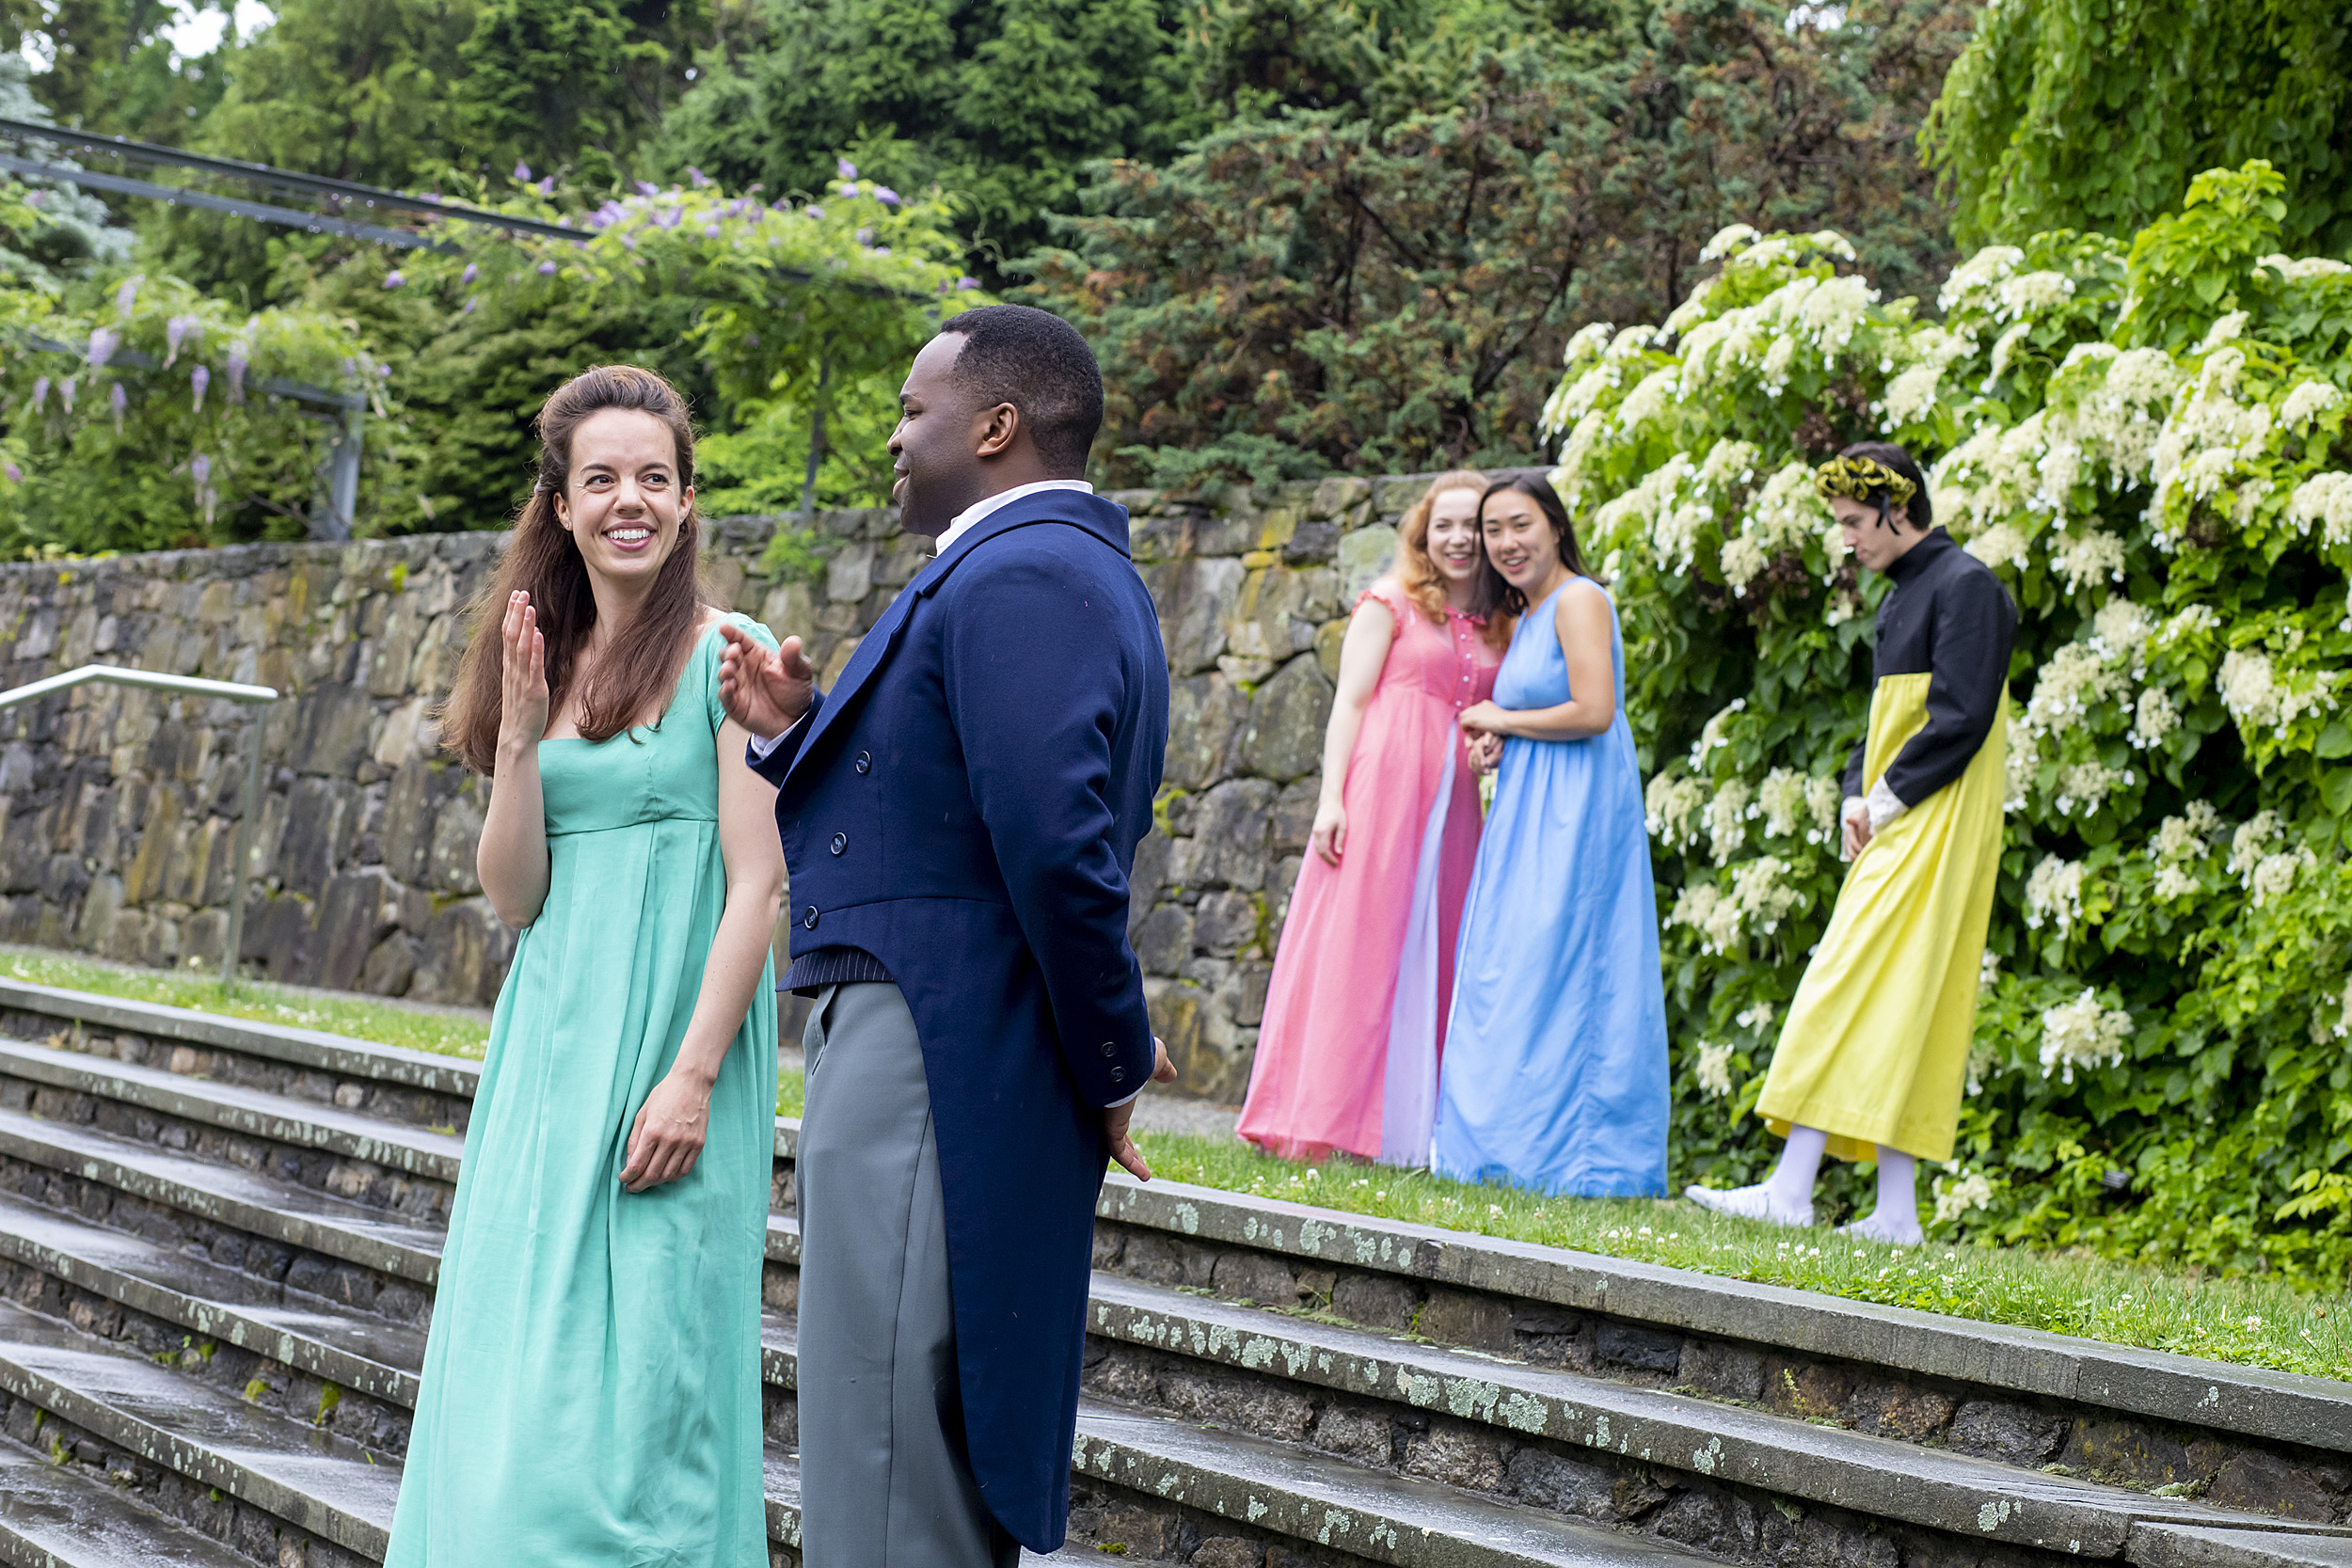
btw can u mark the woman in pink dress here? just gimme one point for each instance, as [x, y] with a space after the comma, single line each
[1354, 1014]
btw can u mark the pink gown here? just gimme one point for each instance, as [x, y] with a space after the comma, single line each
[1355, 1013]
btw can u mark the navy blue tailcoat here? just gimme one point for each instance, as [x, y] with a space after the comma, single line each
[965, 805]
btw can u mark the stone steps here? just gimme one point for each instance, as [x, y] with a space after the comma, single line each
[55, 1515]
[215, 1201]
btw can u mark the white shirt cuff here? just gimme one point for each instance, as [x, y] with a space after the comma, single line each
[1884, 805]
[1129, 1101]
[1855, 806]
[763, 747]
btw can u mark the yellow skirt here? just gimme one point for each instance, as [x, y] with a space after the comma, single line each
[1876, 1044]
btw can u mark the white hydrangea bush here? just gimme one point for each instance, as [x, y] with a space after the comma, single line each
[2161, 474]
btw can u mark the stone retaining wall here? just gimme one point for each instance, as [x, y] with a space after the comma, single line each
[118, 808]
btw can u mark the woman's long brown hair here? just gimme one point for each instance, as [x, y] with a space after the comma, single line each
[639, 670]
[1419, 574]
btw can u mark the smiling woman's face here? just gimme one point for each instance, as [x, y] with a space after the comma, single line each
[623, 502]
[1520, 540]
[1453, 544]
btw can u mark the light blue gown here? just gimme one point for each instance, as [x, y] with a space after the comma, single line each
[1554, 1075]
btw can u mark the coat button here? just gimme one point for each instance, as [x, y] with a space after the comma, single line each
[808, 918]
[840, 841]
[865, 762]
[1109, 1049]
[1118, 1075]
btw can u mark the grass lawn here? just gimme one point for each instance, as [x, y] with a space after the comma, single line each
[450, 1033]
[2251, 1321]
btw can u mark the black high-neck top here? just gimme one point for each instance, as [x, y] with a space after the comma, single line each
[1949, 617]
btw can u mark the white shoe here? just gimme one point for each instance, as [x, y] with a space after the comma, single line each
[1889, 1228]
[1750, 1203]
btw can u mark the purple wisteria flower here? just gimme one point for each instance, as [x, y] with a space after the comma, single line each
[845, 168]
[881, 251]
[119, 402]
[885, 193]
[630, 240]
[866, 236]
[711, 231]
[646, 187]
[176, 332]
[128, 296]
[65, 390]
[964, 283]
[846, 188]
[201, 468]
[102, 342]
[393, 279]
[547, 269]
[815, 212]
[670, 218]
[697, 176]
[40, 391]
[238, 358]
[522, 172]
[471, 303]
[474, 270]
[547, 186]
[16, 475]
[199, 379]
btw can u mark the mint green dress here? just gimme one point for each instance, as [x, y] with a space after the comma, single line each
[591, 1394]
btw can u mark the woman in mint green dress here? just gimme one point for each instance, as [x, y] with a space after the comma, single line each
[591, 1396]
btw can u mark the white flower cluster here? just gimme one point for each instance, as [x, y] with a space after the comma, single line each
[1727, 816]
[1818, 315]
[1793, 803]
[2086, 557]
[2030, 294]
[2323, 502]
[2266, 872]
[1957, 1195]
[2082, 1034]
[2257, 698]
[1712, 733]
[1650, 509]
[2307, 402]
[1673, 804]
[2054, 896]
[2296, 268]
[2077, 676]
[2179, 841]
[1975, 282]
[2154, 717]
[1759, 895]
[2087, 784]
[1786, 512]
[1714, 1069]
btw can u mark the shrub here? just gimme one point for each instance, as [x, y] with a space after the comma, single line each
[2149, 444]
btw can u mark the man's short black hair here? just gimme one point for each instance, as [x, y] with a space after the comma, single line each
[1037, 362]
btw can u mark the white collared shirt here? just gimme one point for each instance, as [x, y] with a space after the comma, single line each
[971, 515]
[965, 522]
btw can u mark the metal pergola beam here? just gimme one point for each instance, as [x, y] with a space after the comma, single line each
[283, 178]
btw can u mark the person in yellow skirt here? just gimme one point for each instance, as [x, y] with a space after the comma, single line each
[1876, 1043]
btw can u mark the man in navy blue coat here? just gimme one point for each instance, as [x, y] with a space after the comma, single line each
[960, 816]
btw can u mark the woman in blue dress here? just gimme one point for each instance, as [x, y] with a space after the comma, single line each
[1555, 1064]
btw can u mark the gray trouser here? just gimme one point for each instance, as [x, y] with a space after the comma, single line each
[884, 1482]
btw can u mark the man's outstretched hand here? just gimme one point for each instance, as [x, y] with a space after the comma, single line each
[765, 691]
[1115, 1121]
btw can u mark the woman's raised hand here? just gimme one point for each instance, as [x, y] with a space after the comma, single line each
[1330, 835]
[522, 675]
[1486, 718]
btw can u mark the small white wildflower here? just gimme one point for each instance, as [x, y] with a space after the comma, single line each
[2154, 717]
[2054, 894]
[1955, 1198]
[1714, 1069]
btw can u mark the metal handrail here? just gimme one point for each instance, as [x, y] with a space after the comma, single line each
[186, 686]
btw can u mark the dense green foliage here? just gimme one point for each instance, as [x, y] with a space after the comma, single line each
[2150, 446]
[1379, 287]
[2093, 113]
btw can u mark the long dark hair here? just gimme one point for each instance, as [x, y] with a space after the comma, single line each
[642, 666]
[1538, 490]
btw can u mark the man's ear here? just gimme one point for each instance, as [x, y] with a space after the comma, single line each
[999, 427]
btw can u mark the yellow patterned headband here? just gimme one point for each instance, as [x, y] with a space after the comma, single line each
[1854, 478]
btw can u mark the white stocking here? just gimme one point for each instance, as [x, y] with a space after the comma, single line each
[1783, 1198]
[1896, 1217]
